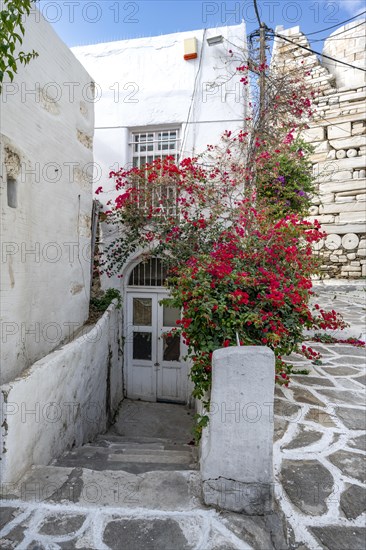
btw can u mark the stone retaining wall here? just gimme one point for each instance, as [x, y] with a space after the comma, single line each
[338, 134]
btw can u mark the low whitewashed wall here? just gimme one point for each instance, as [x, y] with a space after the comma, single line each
[237, 445]
[65, 399]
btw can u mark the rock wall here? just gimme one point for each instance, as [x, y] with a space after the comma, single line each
[337, 132]
[47, 125]
[63, 400]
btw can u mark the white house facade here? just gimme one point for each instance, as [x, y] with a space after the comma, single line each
[158, 96]
[154, 98]
[46, 153]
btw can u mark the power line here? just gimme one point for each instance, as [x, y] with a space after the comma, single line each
[342, 32]
[193, 94]
[318, 53]
[338, 24]
[336, 39]
[257, 13]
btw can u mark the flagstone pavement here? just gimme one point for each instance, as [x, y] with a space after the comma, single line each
[320, 437]
[319, 464]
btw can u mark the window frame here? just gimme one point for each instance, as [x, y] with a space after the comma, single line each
[156, 152]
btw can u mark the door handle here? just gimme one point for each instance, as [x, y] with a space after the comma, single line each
[156, 364]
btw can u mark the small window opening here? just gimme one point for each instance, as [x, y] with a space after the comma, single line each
[148, 273]
[12, 192]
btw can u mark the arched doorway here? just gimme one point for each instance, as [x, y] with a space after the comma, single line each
[154, 365]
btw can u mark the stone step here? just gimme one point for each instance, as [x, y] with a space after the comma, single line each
[158, 490]
[109, 438]
[138, 442]
[126, 445]
[122, 444]
[133, 460]
[126, 453]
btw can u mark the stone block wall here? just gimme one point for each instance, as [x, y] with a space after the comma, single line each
[338, 133]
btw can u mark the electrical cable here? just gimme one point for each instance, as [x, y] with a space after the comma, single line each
[338, 24]
[336, 39]
[193, 94]
[318, 53]
[342, 32]
[257, 13]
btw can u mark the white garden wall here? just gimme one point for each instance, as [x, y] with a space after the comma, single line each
[63, 399]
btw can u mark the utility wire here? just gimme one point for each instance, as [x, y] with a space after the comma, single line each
[338, 24]
[336, 39]
[257, 13]
[193, 94]
[342, 32]
[318, 53]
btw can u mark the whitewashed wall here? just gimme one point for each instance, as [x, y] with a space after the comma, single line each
[47, 125]
[146, 82]
[62, 400]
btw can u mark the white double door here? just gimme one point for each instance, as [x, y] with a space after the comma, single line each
[155, 370]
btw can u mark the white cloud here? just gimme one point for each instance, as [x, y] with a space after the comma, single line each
[353, 7]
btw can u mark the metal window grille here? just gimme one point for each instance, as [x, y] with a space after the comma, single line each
[149, 146]
[150, 272]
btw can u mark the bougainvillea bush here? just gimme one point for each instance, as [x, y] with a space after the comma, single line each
[252, 288]
[236, 273]
[229, 226]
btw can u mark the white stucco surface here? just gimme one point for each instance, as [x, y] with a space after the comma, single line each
[47, 125]
[236, 453]
[63, 399]
[146, 82]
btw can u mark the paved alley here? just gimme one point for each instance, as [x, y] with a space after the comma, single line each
[320, 436]
[138, 485]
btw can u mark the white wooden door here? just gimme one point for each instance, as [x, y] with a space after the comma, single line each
[155, 370]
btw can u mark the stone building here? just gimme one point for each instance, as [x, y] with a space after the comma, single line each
[338, 134]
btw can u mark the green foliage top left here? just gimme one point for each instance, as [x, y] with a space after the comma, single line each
[12, 31]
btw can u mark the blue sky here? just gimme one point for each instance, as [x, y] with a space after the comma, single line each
[80, 22]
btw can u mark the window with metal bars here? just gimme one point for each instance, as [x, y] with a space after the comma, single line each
[151, 272]
[148, 146]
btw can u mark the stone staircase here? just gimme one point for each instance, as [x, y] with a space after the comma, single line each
[137, 486]
[95, 476]
[135, 455]
[123, 468]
